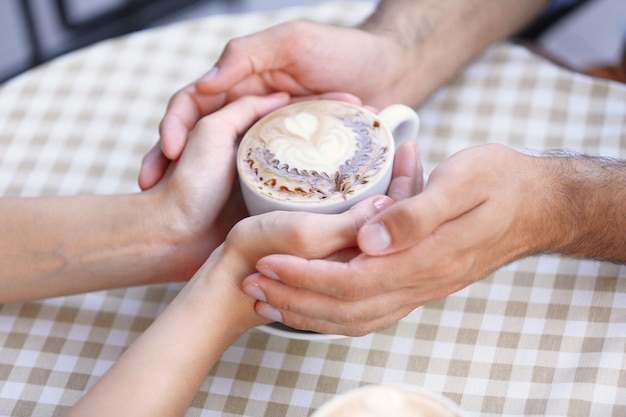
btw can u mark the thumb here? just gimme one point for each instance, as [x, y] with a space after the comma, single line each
[397, 228]
[411, 220]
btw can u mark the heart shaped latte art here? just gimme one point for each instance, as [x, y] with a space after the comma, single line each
[302, 124]
[307, 147]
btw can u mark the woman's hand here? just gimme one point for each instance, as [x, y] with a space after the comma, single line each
[198, 198]
[161, 371]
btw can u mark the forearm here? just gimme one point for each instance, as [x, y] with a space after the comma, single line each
[471, 23]
[441, 37]
[589, 197]
[161, 372]
[53, 246]
[163, 369]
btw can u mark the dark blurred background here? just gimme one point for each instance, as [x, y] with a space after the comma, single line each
[34, 31]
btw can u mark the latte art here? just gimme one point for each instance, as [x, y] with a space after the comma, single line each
[316, 152]
[299, 145]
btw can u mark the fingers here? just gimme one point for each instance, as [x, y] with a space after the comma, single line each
[460, 229]
[153, 166]
[353, 298]
[335, 95]
[449, 193]
[314, 312]
[409, 221]
[185, 108]
[232, 120]
[359, 296]
[353, 280]
[207, 166]
[249, 55]
[305, 235]
[408, 172]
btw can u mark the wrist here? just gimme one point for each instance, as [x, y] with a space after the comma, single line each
[403, 29]
[440, 37]
[217, 286]
[181, 245]
[174, 355]
[165, 244]
[588, 202]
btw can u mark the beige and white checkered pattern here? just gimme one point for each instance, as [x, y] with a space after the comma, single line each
[545, 336]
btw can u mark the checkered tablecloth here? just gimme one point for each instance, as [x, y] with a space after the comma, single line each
[545, 336]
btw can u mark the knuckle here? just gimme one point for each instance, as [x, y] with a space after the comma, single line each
[236, 44]
[300, 232]
[454, 267]
[352, 316]
[405, 217]
[349, 291]
[357, 284]
[297, 322]
[359, 331]
[300, 34]
[352, 293]
[180, 94]
[298, 28]
[239, 231]
[205, 124]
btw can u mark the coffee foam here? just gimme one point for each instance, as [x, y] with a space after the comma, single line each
[315, 151]
[299, 142]
[383, 401]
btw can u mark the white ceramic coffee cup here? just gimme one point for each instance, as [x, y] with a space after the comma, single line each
[390, 400]
[397, 123]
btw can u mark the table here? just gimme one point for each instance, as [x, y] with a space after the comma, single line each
[543, 336]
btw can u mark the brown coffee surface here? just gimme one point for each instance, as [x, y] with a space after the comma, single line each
[315, 150]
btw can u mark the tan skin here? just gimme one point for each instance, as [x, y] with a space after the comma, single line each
[62, 245]
[406, 50]
[447, 238]
[462, 227]
[161, 371]
[59, 245]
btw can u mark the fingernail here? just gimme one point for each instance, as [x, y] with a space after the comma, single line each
[210, 74]
[270, 313]
[268, 273]
[380, 204]
[254, 291]
[374, 239]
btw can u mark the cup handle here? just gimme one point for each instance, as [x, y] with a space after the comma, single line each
[403, 122]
